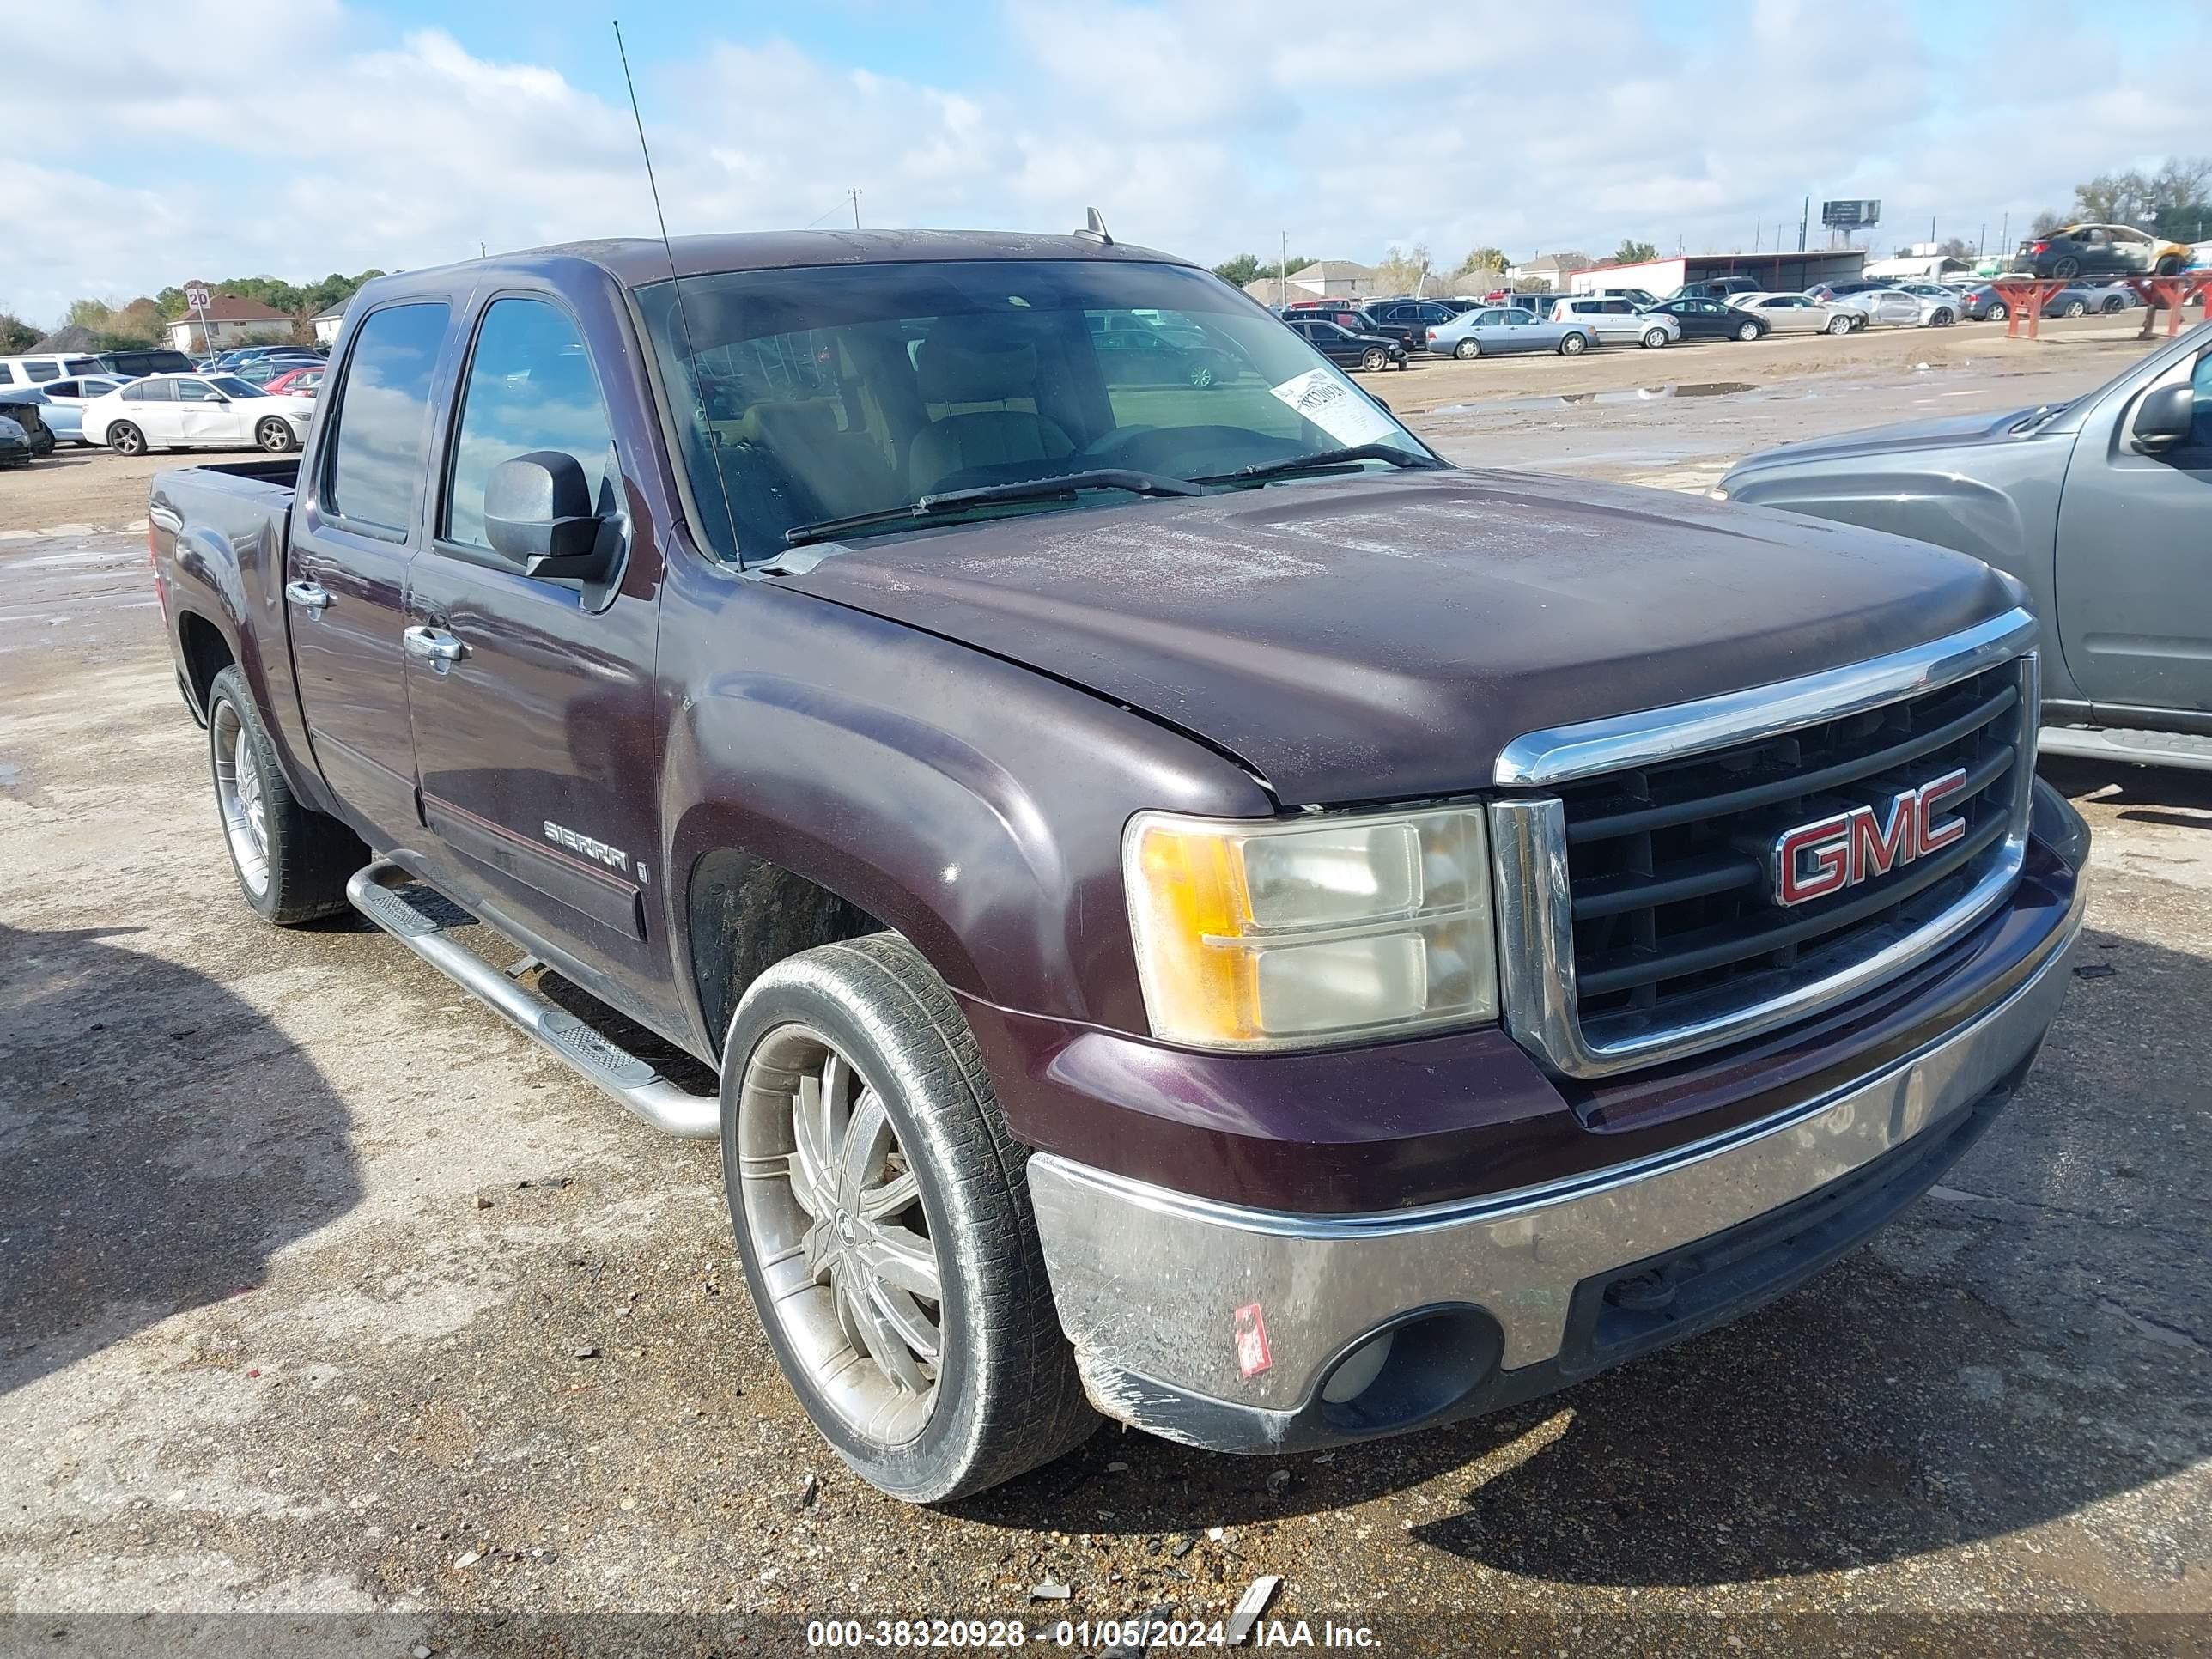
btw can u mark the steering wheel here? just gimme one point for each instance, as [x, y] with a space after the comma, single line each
[1115, 446]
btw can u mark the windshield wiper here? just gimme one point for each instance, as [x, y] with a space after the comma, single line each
[2036, 418]
[1060, 487]
[1322, 459]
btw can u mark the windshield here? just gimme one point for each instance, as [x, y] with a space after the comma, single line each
[231, 386]
[809, 396]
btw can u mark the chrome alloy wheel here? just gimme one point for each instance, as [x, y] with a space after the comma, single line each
[237, 792]
[835, 1215]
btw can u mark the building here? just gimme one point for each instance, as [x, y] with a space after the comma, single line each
[1549, 271]
[325, 323]
[1335, 279]
[1779, 273]
[232, 320]
[1918, 267]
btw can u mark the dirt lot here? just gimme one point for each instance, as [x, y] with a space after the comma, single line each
[324, 1299]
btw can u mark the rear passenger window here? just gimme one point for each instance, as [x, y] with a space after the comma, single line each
[43, 371]
[530, 386]
[379, 453]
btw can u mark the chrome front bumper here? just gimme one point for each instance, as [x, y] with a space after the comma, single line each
[1153, 1286]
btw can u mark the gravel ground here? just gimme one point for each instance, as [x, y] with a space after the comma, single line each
[334, 1319]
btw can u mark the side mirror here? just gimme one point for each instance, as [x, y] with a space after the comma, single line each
[538, 512]
[2164, 418]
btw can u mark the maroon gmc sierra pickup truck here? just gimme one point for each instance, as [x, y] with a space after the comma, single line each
[1201, 911]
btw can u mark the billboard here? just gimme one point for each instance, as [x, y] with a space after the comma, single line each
[1851, 215]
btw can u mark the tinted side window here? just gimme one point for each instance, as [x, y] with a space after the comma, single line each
[62, 389]
[530, 386]
[43, 371]
[150, 391]
[383, 416]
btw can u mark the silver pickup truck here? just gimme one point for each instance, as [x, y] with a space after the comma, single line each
[2102, 507]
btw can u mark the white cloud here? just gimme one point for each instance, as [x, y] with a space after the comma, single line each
[1204, 129]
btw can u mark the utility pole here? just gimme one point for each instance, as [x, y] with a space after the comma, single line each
[1283, 275]
[1982, 239]
[2004, 233]
[854, 192]
[1758, 231]
[1804, 219]
[1931, 228]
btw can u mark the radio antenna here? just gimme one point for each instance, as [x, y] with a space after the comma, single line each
[683, 323]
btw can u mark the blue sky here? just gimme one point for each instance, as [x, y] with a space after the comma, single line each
[223, 137]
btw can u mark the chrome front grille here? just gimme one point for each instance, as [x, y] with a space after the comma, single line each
[1637, 914]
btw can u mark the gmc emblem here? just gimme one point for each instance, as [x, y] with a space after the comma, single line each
[1815, 860]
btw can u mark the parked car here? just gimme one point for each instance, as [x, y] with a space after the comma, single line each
[1130, 352]
[65, 402]
[1340, 345]
[1642, 297]
[2099, 250]
[262, 370]
[36, 368]
[1982, 302]
[1798, 313]
[2097, 506]
[26, 406]
[1711, 319]
[2080, 299]
[1895, 306]
[1500, 329]
[1618, 321]
[1829, 292]
[15, 443]
[192, 411]
[300, 381]
[1718, 288]
[130, 365]
[1408, 321]
[1245, 928]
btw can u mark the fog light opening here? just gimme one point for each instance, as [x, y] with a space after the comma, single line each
[1358, 1370]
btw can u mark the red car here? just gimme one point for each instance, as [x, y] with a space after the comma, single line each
[297, 382]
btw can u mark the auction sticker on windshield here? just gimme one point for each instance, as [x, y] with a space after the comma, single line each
[1337, 409]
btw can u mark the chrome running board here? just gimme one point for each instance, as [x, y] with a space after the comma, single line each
[422, 924]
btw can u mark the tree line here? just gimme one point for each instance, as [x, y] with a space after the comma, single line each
[142, 321]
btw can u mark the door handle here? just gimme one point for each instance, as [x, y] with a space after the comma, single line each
[311, 594]
[433, 645]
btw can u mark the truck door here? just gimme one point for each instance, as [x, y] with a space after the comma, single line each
[345, 574]
[2135, 563]
[538, 728]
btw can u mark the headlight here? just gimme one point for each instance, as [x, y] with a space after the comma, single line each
[1262, 935]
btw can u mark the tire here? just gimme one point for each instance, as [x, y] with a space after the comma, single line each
[1747, 333]
[1202, 375]
[2114, 303]
[275, 436]
[1572, 345]
[1375, 360]
[1942, 319]
[2063, 269]
[2169, 266]
[1655, 338]
[126, 439]
[1997, 311]
[2074, 308]
[291, 862]
[1467, 350]
[1838, 325]
[1003, 1396]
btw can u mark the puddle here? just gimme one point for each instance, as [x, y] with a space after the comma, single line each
[9, 773]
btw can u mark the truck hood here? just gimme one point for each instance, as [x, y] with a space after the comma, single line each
[1384, 637]
[1948, 432]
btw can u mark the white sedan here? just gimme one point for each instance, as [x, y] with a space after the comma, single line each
[196, 412]
[1797, 313]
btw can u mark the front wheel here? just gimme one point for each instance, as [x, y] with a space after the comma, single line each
[1468, 349]
[126, 439]
[1839, 325]
[2169, 266]
[883, 1217]
[2114, 303]
[274, 435]
[1997, 312]
[1653, 338]
[2074, 308]
[1941, 320]
[1747, 333]
[1571, 345]
[291, 861]
[1375, 360]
